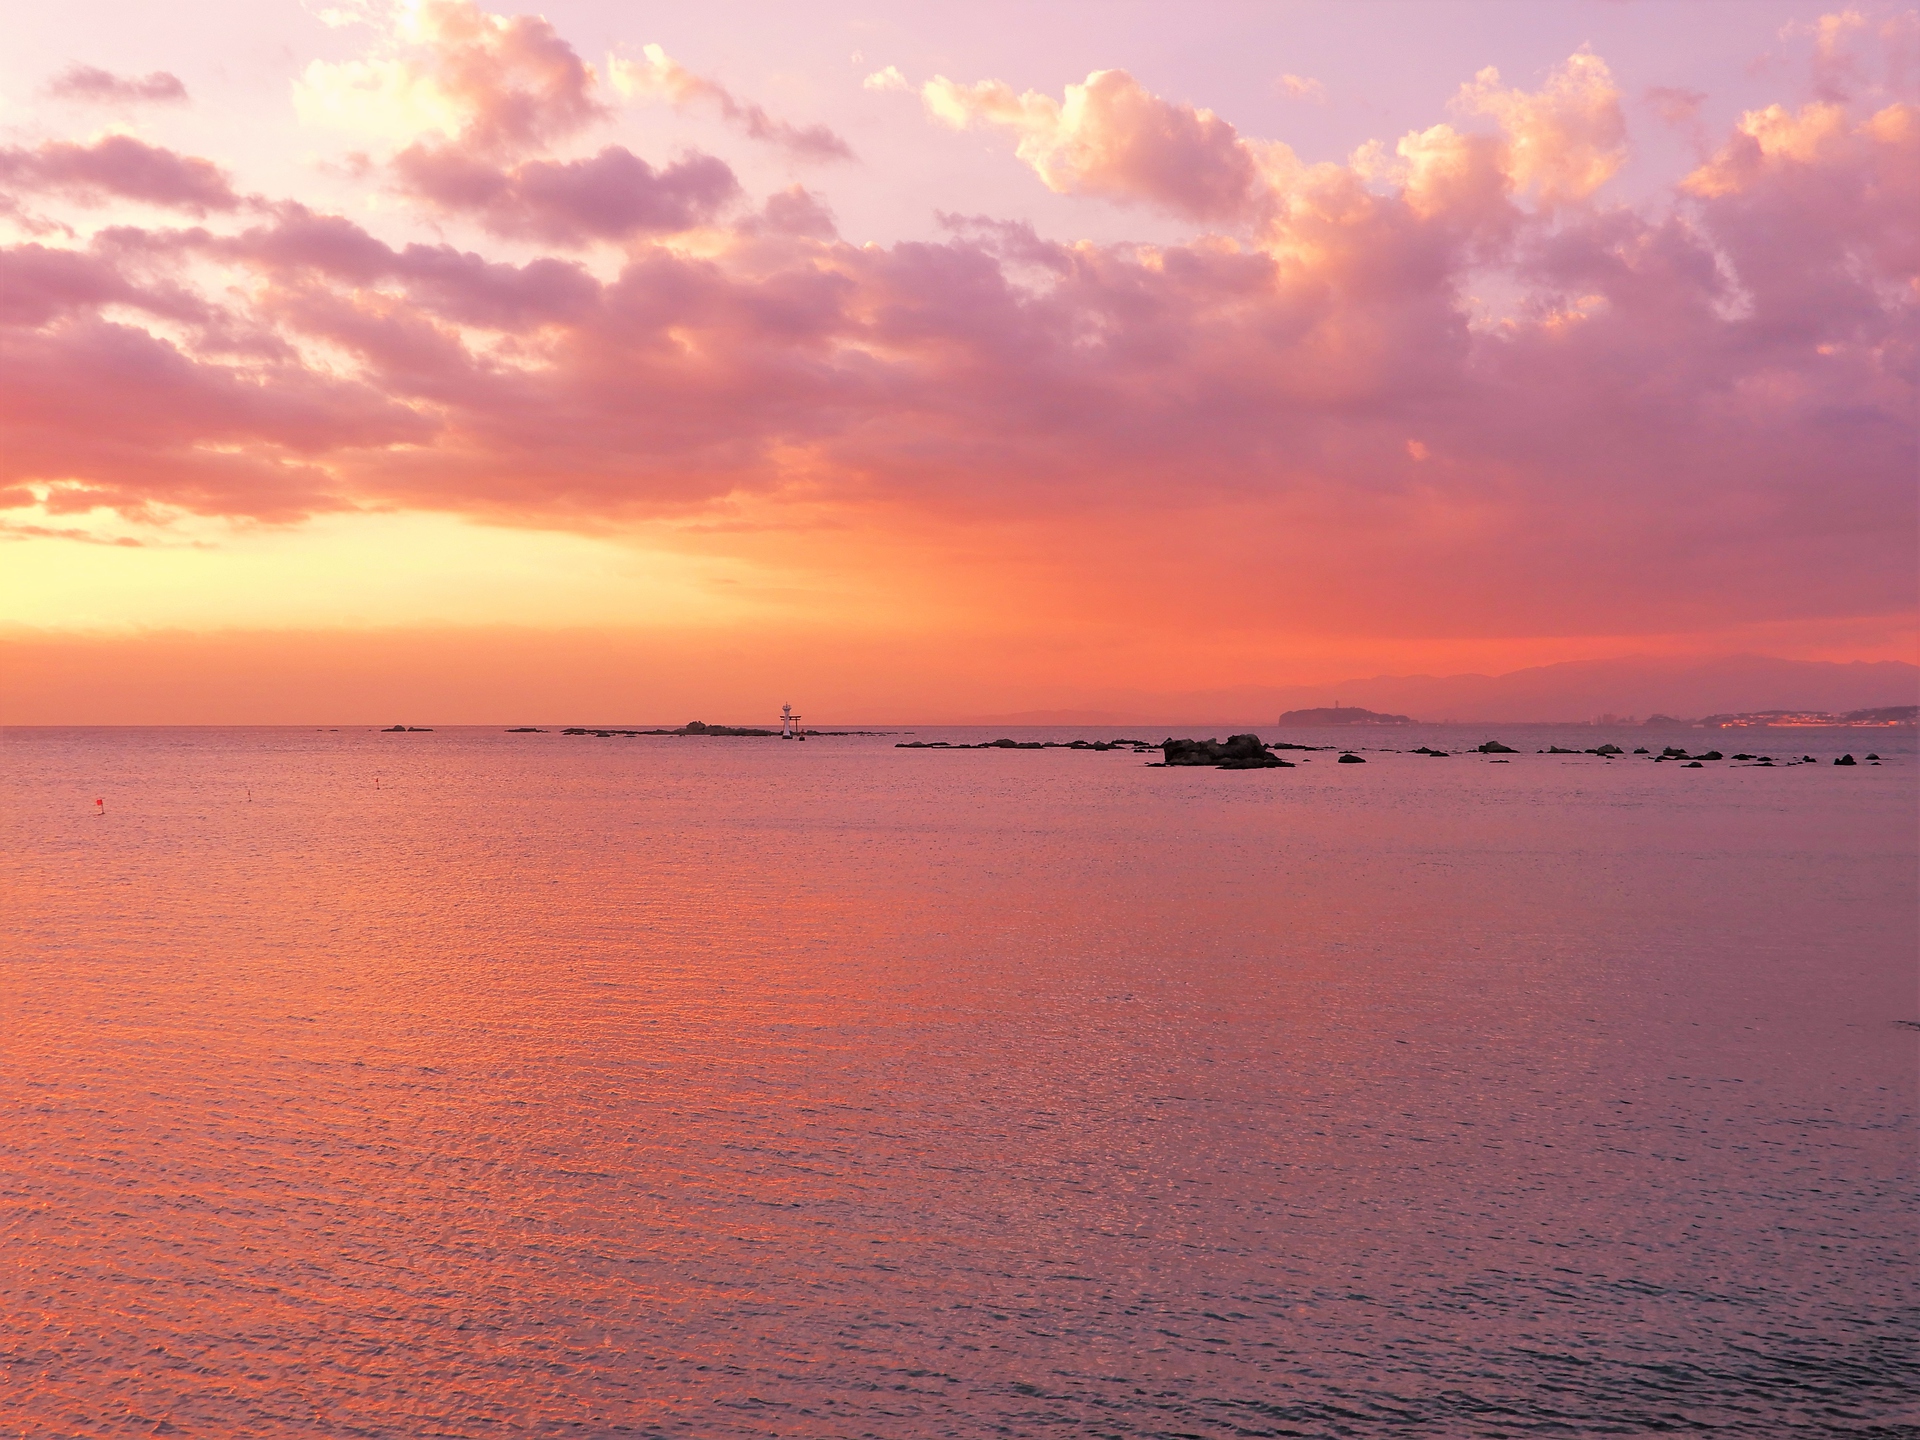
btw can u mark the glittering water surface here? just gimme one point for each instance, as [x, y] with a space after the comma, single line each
[475, 1084]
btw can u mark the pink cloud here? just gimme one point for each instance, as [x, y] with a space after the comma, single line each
[489, 96]
[1114, 139]
[122, 167]
[611, 196]
[1675, 104]
[92, 85]
[664, 77]
[1563, 141]
[497, 85]
[1636, 433]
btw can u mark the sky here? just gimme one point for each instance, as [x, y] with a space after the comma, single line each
[918, 362]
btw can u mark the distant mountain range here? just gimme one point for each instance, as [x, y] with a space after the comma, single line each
[1634, 686]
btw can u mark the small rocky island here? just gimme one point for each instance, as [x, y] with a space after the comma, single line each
[695, 727]
[1342, 715]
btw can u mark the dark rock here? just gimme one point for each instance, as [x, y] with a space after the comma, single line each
[1436, 754]
[1713, 755]
[1872, 756]
[1640, 750]
[1351, 760]
[1556, 750]
[694, 727]
[1494, 747]
[1606, 750]
[1846, 760]
[394, 730]
[1674, 752]
[1743, 757]
[526, 730]
[1693, 765]
[1215, 752]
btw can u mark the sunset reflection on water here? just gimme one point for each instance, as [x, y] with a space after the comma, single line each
[563, 1086]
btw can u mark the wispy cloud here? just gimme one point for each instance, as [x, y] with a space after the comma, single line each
[90, 85]
[662, 77]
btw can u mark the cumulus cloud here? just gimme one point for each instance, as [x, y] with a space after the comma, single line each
[481, 99]
[497, 85]
[1112, 138]
[89, 84]
[664, 78]
[1564, 141]
[1302, 87]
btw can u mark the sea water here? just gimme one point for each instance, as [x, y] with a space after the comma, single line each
[474, 1084]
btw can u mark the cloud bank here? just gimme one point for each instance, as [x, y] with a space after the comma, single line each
[1446, 377]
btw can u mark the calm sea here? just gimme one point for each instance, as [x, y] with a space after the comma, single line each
[470, 1084]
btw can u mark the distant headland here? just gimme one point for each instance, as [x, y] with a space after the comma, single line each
[1876, 717]
[1341, 715]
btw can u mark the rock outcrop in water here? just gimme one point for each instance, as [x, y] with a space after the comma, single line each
[1236, 752]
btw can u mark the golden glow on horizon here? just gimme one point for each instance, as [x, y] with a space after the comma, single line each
[364, 570]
